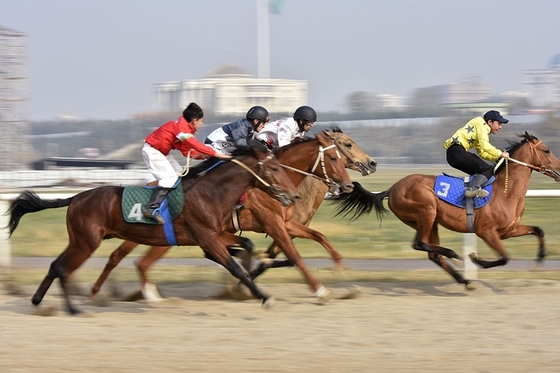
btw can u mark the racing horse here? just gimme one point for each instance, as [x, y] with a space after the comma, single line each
[413, 200]
[97, 214]
[264, 215]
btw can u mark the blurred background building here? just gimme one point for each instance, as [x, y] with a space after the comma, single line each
[229, 90]
[543, 85]
[14, 95]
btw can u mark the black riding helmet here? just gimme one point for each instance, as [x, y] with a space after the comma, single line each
[307, 113]
[258, 112]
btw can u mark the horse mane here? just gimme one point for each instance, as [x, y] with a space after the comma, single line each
[295, 141]
[335, 129]
[514, 145]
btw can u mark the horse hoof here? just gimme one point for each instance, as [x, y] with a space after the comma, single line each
[323, 295]
[46, 311]
[470, 286]
[269, 303]
[536, 266]
[151, 293]
[473, 256]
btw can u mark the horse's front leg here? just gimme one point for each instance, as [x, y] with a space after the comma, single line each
[524, 230]
[493, 240]
[114, 259]
[296, 229]
[276, 229]
[216, 250]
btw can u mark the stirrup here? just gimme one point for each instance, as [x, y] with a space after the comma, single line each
[155, 214]
[479, 193]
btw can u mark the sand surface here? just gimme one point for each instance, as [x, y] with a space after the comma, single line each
[503, 326]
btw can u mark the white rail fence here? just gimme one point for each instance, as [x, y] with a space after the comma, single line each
[469, 239]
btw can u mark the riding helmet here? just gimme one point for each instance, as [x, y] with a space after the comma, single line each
[258, 112]
[306, 113]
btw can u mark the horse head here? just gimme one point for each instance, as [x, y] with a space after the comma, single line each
[537, 156]
[332, 164]
[271, 176]
[356, 158]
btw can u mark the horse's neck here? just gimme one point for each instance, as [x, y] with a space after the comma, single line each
[513, 183]
[301, 163]
[232, 180]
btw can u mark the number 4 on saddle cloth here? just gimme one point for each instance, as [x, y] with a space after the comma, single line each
[135, 198]
[451, 189]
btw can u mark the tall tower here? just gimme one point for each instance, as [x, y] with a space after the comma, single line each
[263, 39]
[14, 94]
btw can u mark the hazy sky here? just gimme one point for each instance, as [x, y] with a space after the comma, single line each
[99, 58]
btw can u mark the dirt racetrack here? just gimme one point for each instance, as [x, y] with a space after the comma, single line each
[503, 326]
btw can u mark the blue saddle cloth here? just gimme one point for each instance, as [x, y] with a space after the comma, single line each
[451, 189]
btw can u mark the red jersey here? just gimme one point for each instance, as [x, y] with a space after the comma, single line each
[178, 135]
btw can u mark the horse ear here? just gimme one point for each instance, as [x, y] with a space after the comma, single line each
[324, 138]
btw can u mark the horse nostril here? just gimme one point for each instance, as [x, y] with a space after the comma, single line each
[373, 164]
[296, 197]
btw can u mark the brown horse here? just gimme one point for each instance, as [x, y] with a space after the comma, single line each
[96, 214]
[264, 215]
[312, 192]
[413, 200]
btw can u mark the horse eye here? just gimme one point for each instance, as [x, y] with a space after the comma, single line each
[547, 151]
[348, 146]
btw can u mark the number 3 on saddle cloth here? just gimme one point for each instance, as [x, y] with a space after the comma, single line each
[451, 189]
[135, 198]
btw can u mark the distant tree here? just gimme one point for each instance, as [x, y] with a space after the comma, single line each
[363, 104]
[425, 103]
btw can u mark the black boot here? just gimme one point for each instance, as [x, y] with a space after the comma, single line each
[475, 187]
[151, 210]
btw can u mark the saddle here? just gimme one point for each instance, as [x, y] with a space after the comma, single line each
[135, 198]
[451, 189]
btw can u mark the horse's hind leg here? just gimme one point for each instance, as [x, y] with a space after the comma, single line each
[440, 261]
[62, 268]
[52, 274]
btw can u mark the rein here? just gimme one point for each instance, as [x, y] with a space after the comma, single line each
[253, 172]
[321, 159]
[187, 167]
[542, 169]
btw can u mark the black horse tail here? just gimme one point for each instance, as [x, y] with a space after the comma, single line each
[29, 201]
[361, 201]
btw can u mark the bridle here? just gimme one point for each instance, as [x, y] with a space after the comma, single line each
[363, 169]
[320, 160]
[541, 169]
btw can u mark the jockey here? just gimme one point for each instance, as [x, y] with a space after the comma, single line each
[283, 131]
[178, 134]
[475, 134]
[237, 133]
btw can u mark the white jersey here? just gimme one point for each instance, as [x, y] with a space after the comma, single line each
[279, 133]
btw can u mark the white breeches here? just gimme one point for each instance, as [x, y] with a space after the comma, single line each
[163, 167]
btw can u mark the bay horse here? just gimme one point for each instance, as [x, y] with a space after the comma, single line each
[413, 200]
[96, 214]
[263, 215]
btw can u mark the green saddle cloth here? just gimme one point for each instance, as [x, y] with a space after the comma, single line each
[135, 198]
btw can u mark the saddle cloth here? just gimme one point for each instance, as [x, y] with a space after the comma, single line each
[135, 198]
[451, 189]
